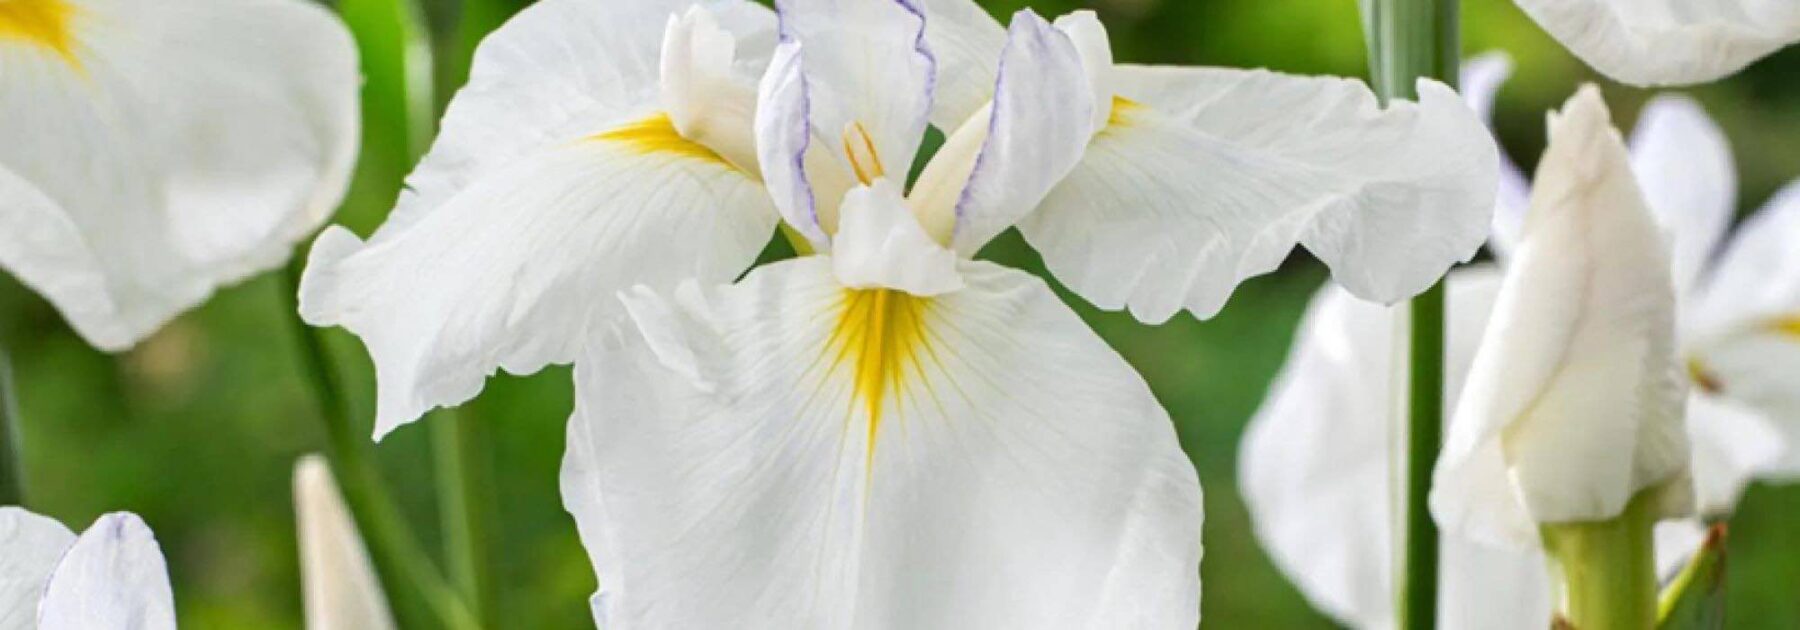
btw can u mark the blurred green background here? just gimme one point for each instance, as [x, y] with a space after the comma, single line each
[197, 429]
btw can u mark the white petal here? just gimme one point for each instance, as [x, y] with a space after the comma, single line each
[708, 98]
[1024, 476]
[1668, 42]
[1036, 130]
[337, 580]
[1316, 469]
[30, 546]
[1209, 176]
[561, 70]
[880, 246]
[1482, 77]
[1732, 444]
[966, 41]
[1574, 402]
[152, 152]
[112, 577]
[789, 156]
[1684, 166]
[865, 63]
[511, 271]
[1746, 323]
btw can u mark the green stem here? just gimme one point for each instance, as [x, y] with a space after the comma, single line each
[1694, 599]
[407, 575]
[12, 467]
[1607, 569]
[465, 494]
[1409, 40]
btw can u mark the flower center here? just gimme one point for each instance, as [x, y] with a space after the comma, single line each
[40, 23]
[861, 151]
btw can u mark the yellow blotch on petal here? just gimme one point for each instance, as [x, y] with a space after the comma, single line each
[880, 334]
[657, 134]
[1121, 111]
[41, 23]
[1787, 326]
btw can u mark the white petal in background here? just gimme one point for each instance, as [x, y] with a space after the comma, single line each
[338, 583]
[1317, 465]
[1683, 164]
[30, 546]
[1668, 42]
[1209, 176]
[113, 576]
[556, 183]
[783, 453]
[1482, 76]
[1747, 321]
[153, 152]
[1575, 400]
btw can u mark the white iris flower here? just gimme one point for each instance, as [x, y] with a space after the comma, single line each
[1668, 42]
[112, 576]
[889, 433]
[151, 152]
[1316, 461]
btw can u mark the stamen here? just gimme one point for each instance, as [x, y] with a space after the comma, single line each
[860, 149]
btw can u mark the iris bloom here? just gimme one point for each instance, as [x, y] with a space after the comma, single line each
[1668, 42]
[337, 580]
[112, 576]
[151, 152]
[1316, 461]
[598, 148]
[889, 433]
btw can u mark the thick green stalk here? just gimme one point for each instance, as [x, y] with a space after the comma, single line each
[12, 467]
[1409, 40]
[407, 575]
[465, 499]
[1606, 569]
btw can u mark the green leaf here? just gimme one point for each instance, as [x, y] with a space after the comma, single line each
[1695, 599]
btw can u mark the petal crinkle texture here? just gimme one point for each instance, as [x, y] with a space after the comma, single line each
[1204, 177]
[557, 182]
[1668, 42]
[787, 453]
[153, 152]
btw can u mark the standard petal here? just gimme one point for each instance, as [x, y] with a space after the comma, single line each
[152, 152]
[512, 271]
[868, 66]
[1482, 77]
[966, 41]
[1668, 42]
[1205, 177]
[1574, 403]
[1684, 166]
[30, 546]
[112, 577]
[786, 453]
[997, 168]
[337, 580]
[1316, 469]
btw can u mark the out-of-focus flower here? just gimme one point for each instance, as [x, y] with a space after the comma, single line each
[151, 152]
[1575, 402]
[598, 146]
[1668, 42]
[1317, 460]
[891, 434]
[337, 580]
[112, 576]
